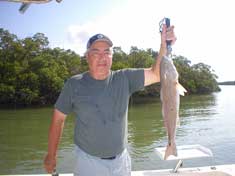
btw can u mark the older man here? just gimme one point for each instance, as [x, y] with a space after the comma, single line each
[99, 98]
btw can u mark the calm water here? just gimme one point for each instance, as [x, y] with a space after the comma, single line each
[207, 120]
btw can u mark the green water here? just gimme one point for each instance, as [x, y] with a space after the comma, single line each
[207, 120]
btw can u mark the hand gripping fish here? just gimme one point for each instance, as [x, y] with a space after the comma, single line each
[170, 98]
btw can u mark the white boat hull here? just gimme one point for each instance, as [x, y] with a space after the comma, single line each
[219, 170]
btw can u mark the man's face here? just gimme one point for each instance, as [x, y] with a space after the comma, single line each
[99, 58]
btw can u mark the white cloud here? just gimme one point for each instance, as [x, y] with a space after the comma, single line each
[127, 26]
[205, 30]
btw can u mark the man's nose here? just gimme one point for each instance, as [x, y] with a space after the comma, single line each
[102, 55]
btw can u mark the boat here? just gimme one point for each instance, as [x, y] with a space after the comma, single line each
[218, 170]
[184, 152]
[189, 152]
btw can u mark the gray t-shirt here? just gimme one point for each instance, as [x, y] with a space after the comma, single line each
[101, 108]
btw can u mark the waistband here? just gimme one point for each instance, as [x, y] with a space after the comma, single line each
[110, 158]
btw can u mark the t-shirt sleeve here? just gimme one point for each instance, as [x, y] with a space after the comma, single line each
[135, 78]
[64, 101]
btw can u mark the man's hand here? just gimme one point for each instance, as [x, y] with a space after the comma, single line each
[166, 34]
[55, 132]
[152, 74]
[49, 163]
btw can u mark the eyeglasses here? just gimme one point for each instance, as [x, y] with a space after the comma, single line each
[98, 54]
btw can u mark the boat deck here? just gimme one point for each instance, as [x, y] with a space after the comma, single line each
[219, 170]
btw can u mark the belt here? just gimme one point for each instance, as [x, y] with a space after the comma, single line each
[110, 158]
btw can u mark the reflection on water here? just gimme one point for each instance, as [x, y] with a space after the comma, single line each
[23, 136]
[207, 120]
[204, 120]
[22, 139]
[199, 106]
[146, 130]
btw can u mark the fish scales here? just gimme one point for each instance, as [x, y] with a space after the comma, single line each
[170, 98]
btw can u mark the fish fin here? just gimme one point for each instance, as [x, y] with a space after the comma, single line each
[181, 89]
[170, 150]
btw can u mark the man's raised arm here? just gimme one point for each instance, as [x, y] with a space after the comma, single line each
[152, 74]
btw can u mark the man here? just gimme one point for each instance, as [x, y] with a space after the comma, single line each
[99, 98]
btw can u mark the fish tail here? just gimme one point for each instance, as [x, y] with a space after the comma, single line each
[170, 150]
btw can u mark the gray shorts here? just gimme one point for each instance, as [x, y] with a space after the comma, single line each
[87, 165]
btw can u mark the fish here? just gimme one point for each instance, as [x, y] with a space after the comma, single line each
[170, 93]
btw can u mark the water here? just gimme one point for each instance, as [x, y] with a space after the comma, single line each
[207, 120]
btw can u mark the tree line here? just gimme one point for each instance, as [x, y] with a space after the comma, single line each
[32, 73]
[227, 83]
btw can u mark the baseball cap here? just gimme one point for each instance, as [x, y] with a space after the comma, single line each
[98, 37]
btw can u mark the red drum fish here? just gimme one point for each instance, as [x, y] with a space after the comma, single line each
[170, 98]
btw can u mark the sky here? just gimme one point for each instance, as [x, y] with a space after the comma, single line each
[205, 29]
